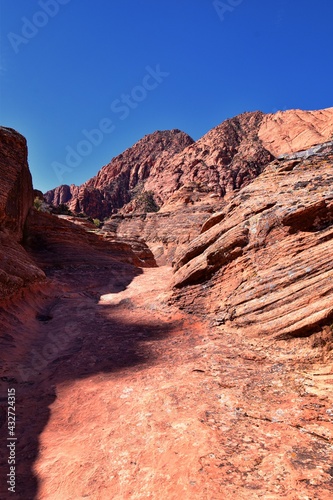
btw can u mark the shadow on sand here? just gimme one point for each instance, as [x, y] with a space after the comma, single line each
[68, 337]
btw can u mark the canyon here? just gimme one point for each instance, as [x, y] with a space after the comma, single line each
[183, 346]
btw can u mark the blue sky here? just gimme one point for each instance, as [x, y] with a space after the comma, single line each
[83, 80]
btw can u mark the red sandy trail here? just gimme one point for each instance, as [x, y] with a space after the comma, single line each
[139, 400]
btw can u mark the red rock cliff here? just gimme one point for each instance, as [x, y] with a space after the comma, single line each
[113, 186]
[166, 163]
[16, 198]
[16, 193]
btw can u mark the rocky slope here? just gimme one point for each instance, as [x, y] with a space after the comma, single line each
[188, 180]
[16, 193]
[25, 233]
[294, 130]
[265, 259]
[112, 187]
[168, 164]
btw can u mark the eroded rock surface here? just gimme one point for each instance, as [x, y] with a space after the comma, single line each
[16, 193]
[187, 180]
[285, 132]
[16, 198]
[210, 381]
[126, 396]
[111, 188]
[168, 164]
[263, 265]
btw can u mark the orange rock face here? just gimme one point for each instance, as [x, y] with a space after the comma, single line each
[113, 186]
[169, 164]
[288, 131]
[264, 262]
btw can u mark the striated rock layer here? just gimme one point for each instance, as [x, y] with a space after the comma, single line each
[128, 388]
[294, 130]
[264, 263]
[188, 180]
[167, 163]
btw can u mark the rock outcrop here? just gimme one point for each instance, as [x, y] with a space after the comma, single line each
[59, 243]
[16, 198]
[226, 158]
[165, 232]
[217, 387]
[168, 165]
[184, 181]
[32, 242]
[263, 264]
[16, 192]
[117, 183]
[285, 132]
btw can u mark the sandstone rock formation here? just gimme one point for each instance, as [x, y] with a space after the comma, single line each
[263, 264]
[295, 130]
[58, 243]
[211, 380]
[16, 198]
[113, 186]
[169, 164]
[28, 237]
[16, 193]
[165, 232]
[188, 180]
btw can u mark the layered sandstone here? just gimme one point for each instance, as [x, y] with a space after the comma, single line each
[59, 243]
[285, 132]
[184, 181]
[217, 388]
[188, 185]
[167, 164]
[170, 165]
[165, 232]
[263, 264]
[32, 242]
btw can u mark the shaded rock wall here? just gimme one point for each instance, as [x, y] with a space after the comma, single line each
[17, 269]
[166, 233]
[16, 192]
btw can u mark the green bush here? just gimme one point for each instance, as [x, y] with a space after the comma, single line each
[63, 209]
[146, 202]
[97, 223]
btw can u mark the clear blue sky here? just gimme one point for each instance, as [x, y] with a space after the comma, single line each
[64, 65]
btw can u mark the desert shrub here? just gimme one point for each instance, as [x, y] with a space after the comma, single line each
[146, 202]
[63, 209]
[97, 222]
[38, 203]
